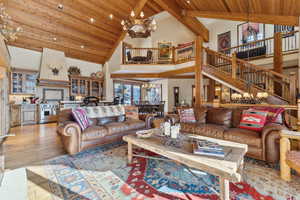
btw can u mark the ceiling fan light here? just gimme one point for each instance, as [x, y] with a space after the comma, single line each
[122, 22]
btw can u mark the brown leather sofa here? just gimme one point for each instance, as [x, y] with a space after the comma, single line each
[223, 124]
[111, 130]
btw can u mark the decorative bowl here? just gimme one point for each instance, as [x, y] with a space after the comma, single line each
[145, 133]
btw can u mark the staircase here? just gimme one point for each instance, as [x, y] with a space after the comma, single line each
[243, 76]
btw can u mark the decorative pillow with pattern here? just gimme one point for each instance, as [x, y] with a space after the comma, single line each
[274, 114]
[253, 119]
[187, 115]
[81, 118]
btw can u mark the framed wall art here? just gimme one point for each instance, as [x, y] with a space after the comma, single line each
[224, 41]
[250, 32]
[164, 51]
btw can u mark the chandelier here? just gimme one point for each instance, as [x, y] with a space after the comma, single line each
[139, 27]
[8, 31]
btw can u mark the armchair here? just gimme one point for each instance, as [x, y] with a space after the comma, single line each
[288, 159]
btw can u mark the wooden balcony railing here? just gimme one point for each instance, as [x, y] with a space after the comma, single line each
[173, 55]
[265, 48]
[253, 75]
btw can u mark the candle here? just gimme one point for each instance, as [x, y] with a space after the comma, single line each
[167, 127]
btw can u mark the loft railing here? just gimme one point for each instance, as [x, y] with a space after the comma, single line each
[173, 55]
[266, 80]
[265, 48]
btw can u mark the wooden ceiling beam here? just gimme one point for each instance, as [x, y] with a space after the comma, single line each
[258, 18]
[40, 9]
[58, 30]
[137, 9]
[38, 45]
[131, 75]
[192, 23]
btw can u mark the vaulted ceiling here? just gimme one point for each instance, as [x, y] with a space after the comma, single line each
[71, 30]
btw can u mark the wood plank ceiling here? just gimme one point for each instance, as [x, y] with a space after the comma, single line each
[70, 29]
[285, 12]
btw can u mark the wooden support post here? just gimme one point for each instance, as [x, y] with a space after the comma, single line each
[224, 189]
[174, 55]
[278, 61]
[211, 90]
[285, 170]
[293, 88]
[234, 66]
[198, 71]
[129, 153]
[298, 115]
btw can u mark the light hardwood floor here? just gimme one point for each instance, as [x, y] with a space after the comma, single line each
[32, 144]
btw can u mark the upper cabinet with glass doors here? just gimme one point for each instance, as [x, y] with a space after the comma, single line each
[86, 86]
[23, 81]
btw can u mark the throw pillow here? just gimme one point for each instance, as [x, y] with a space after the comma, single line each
[81, 118]
[132, 112]
[220, 116]
[187, 115]
[253, 119]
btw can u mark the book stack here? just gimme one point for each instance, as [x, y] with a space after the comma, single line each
[207, 148]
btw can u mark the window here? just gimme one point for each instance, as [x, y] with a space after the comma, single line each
[128, 92]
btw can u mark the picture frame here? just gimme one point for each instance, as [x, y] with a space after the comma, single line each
[250, 32]
[224, 41]
[164, 52]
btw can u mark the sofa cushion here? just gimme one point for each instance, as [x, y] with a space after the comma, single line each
[104, 111]
[210, 130]
[135, 124]
[243, 136]
[253, 119]
[106, 120]
[116, 127]
[220, 116]
[236, 116]
[188, 127]
[94, 132]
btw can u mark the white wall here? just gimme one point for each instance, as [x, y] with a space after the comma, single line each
[222, 26]
[185, 91]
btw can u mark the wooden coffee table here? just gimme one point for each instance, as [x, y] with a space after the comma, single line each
[228, 169]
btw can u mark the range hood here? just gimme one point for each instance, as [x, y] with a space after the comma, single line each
[53, 69]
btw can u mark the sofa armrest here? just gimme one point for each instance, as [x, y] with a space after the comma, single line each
[71, 136]
[270, 141]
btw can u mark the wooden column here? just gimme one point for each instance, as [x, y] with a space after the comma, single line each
[293, 88]
[278, 61]
[173, 55]
[198, 71]
[234, 66]
[211, 90]
[285, 170]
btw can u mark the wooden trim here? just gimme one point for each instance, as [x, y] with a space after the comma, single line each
[198, 71]
[191, 23]
[234, 16]
[20, 70]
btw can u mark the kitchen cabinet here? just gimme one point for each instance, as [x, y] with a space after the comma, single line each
[29, 114]
[15, 115]
[86, 86]
[23, 81]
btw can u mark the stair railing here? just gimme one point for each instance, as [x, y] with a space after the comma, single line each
[259, 77]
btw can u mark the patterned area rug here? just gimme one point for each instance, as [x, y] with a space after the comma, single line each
[102, 173]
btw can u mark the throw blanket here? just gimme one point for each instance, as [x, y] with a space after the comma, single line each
[273, 113]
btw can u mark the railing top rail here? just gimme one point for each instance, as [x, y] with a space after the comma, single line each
[258, 41]
[142, 48]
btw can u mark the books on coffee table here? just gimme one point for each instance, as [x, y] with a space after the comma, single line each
[207, 148]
